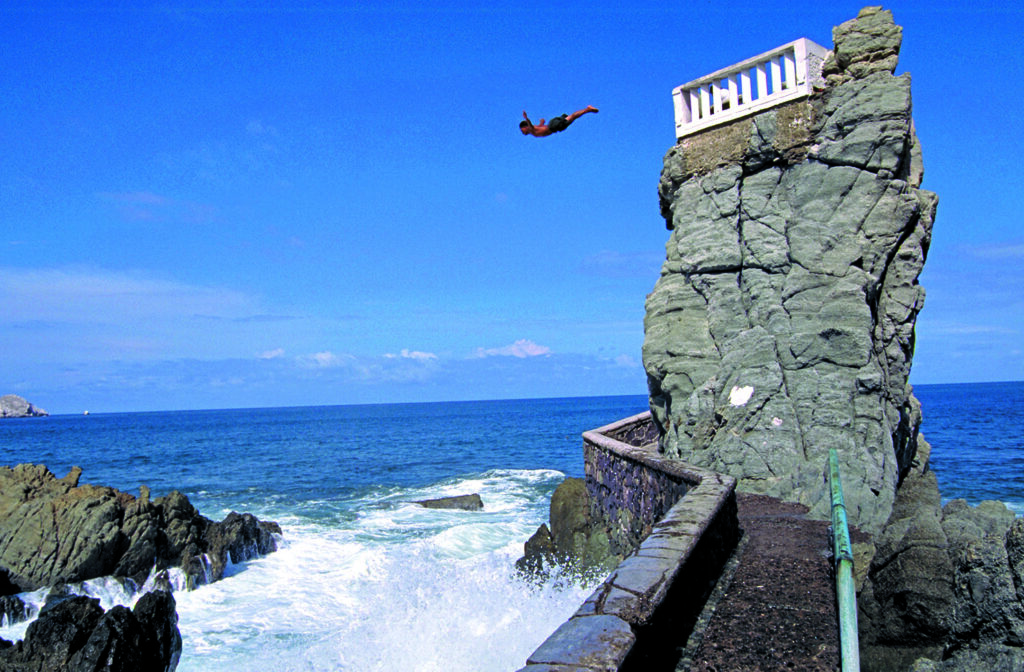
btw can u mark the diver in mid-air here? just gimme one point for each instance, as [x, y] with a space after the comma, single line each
[559, 123]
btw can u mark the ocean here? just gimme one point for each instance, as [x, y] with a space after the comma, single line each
[367, 580]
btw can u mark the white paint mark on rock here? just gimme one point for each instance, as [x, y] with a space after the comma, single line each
[739, 396]
[777, 422]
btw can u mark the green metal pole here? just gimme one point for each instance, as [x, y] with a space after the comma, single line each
[846, 596]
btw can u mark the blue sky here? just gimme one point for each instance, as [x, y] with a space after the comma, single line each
[234, 204]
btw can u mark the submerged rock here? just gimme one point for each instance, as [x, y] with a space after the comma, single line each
[13, 406]
[55, 531]
[462, 502]
[76, 635]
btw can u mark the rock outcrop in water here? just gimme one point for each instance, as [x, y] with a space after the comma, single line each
[76, 635]
[471, 502]
[55, 531]
[575, 540]
[783, 325]
[13, 406]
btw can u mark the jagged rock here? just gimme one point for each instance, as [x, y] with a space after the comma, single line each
[989, 659]
[12, 610]
[55, 531]
[13, 406]
[867, 44]
[538, 553]
[987, 610]
[569, 517]
[462, 502]
[77, 636]
[906, 605]
[944, 587]
[791, 271]
[574, 540]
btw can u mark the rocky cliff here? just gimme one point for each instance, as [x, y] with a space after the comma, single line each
[783, 325]
[13, 406]
[783, 321]
[56, 531]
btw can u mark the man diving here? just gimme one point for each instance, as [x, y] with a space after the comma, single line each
[557, 124]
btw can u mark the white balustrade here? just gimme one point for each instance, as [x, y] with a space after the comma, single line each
[778, 76]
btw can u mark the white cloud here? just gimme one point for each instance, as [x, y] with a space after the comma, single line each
[614, 264]
[521, 348]
[626, 361]
[961, 329]
[257, 127]
[417, 355]
[406, 353]
[272, 354]
[74, 295]
[998, 251]
[325, 360]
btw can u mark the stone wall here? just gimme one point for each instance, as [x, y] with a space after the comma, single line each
[628, 491]
[643, 612]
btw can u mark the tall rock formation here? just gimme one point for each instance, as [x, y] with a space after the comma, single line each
[783, 321]
[783, 325]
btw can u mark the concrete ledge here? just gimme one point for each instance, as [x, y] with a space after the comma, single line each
[658, 591]
[586, 643]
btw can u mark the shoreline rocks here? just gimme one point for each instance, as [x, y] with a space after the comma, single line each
[460, 502]
[575, 541]
[76, 635]
[55, 531]
[13, 406]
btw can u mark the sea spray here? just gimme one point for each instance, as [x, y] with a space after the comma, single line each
[377, 582]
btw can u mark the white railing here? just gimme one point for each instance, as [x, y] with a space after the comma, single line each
[783, 74]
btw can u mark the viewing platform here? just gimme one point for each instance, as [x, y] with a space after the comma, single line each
[782, 75]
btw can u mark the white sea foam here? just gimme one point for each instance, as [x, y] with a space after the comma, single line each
[389, 585]
[329, 604]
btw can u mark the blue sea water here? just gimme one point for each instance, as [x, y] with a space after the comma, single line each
[977, 436]
[366, 580]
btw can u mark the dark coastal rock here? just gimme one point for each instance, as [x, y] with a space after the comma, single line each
[943, 589]
[538, 553]
[55, 531]
[77, 636]
[461, 502]
[12, 610]
[13, 406]
[574, 541]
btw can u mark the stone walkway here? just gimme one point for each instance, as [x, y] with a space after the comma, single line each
[777, 609]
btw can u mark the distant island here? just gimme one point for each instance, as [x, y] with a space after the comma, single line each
[13, 406]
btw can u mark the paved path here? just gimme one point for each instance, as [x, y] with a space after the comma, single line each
[778, 611]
